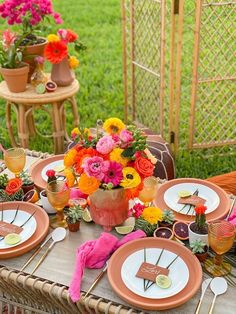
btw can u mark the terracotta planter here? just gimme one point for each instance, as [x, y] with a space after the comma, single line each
[61, 73]
[73, 227]
[201, 256]
[27, 188]
[30, 52]
[193, 236]
[109, 208]
[16, 79]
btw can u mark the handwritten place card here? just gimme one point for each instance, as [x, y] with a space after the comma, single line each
[150, 271]
[192, 200]
[6, 228]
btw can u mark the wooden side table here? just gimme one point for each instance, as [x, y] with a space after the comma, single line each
[27, 102]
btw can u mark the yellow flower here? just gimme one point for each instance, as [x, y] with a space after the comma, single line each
[52, 38]
[115, 155]
[70, 177]
[74, 62]
[69, 158]
[131, 178]
[76, 132]
[152, 215]
[113, 125]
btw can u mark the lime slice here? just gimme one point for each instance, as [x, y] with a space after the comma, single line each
[184, 193]
[40, 88]
[59, 168]
[126, 227]
[163, 281]
[12, 238]
[86, 215]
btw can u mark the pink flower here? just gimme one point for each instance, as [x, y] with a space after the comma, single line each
[105, 145]
[116, 139]
[113, 173]
[94, 167]
[8, 38]
[136, 210]
[126, 138]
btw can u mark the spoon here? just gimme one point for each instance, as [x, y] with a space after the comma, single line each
[218, 286]
[58, 235]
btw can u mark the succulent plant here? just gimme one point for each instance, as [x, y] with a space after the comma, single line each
[18, 196]
[74, 214]
[198, 246]
[168, 216]
[141, 224]
[4, 197]
[3, 180]
[25, 177]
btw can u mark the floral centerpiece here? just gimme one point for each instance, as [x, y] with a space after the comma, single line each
[198, 230]
[56, 51]
[11, 55]
[109, 167]
[10, 189]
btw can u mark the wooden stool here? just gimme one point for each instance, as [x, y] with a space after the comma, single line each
[26, 102]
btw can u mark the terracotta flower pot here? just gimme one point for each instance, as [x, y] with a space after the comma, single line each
[73, 227]
[16, 79]
[27, 188]
[109, 208]
[202, 256]
[61, 73]
[193, 236]
[29, 54]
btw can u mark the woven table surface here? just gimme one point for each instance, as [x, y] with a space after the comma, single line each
[59, 264]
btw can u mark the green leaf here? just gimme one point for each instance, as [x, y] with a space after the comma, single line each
[128, 152]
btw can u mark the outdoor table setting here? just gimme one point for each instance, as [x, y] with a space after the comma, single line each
[98, 232]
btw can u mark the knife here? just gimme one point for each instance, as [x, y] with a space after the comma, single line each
[205, 285]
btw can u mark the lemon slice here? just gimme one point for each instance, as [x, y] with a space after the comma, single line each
[12, 238]
[86, 215]
[127, 226]
[59, 168]
[184, 193]
[163, 281]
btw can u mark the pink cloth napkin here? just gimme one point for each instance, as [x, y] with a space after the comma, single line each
[232, 217]
[94, 254]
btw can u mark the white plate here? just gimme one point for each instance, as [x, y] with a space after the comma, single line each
[171, 197]
[52, 165]
[179, 273]
[28, 229]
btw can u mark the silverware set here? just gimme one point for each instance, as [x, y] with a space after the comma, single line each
[218, 286]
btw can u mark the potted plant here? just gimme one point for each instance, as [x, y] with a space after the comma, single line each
[34, 17]
[13, 69]
[198, 230]
[73, 218]
[10, 189]
[168, 218]
[200, 249]
[28, 183]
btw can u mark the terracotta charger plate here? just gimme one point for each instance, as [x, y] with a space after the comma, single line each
[219, 213]
[118, 258]
[36, 170]
[40, 233]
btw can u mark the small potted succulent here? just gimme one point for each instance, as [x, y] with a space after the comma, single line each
[10, 189]
[200, 249]
[168, 218]
[198, 230]
[28, 183]
[73, 218]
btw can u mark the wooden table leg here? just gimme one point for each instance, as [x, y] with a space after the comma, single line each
[22, 126]
[58, 130]
[9, 124]
[30, 121]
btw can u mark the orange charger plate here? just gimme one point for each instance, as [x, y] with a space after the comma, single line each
[118, 258]
[40, 233]
[219, 213]
[37, 168]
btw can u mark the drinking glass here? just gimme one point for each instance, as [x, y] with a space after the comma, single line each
[15, 160]
[58, 194]
[148, 193]
[221, 236]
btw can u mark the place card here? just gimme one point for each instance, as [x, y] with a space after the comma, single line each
[6, 228]
[192, 200]
[149, 271]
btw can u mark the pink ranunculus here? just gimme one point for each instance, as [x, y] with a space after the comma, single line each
[94, 167]
[114, 173]
[105, 145]
[126, 138]
[116, 139]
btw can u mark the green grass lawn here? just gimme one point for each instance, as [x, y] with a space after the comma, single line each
[98, 24]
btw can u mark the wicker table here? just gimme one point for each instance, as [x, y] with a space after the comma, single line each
[26, 102]
[47, 291]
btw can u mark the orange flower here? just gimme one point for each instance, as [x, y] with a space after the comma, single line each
[88, 185]
[134, 192]
[13, 186]
[83, 153]
[144, 167]
[70, 177]
[69, 158]
[55, 51]
[71, 36]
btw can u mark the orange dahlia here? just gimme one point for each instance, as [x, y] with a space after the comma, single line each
[88, 185]
[55, 51]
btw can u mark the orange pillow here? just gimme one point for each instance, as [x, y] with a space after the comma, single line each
[226, 181]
